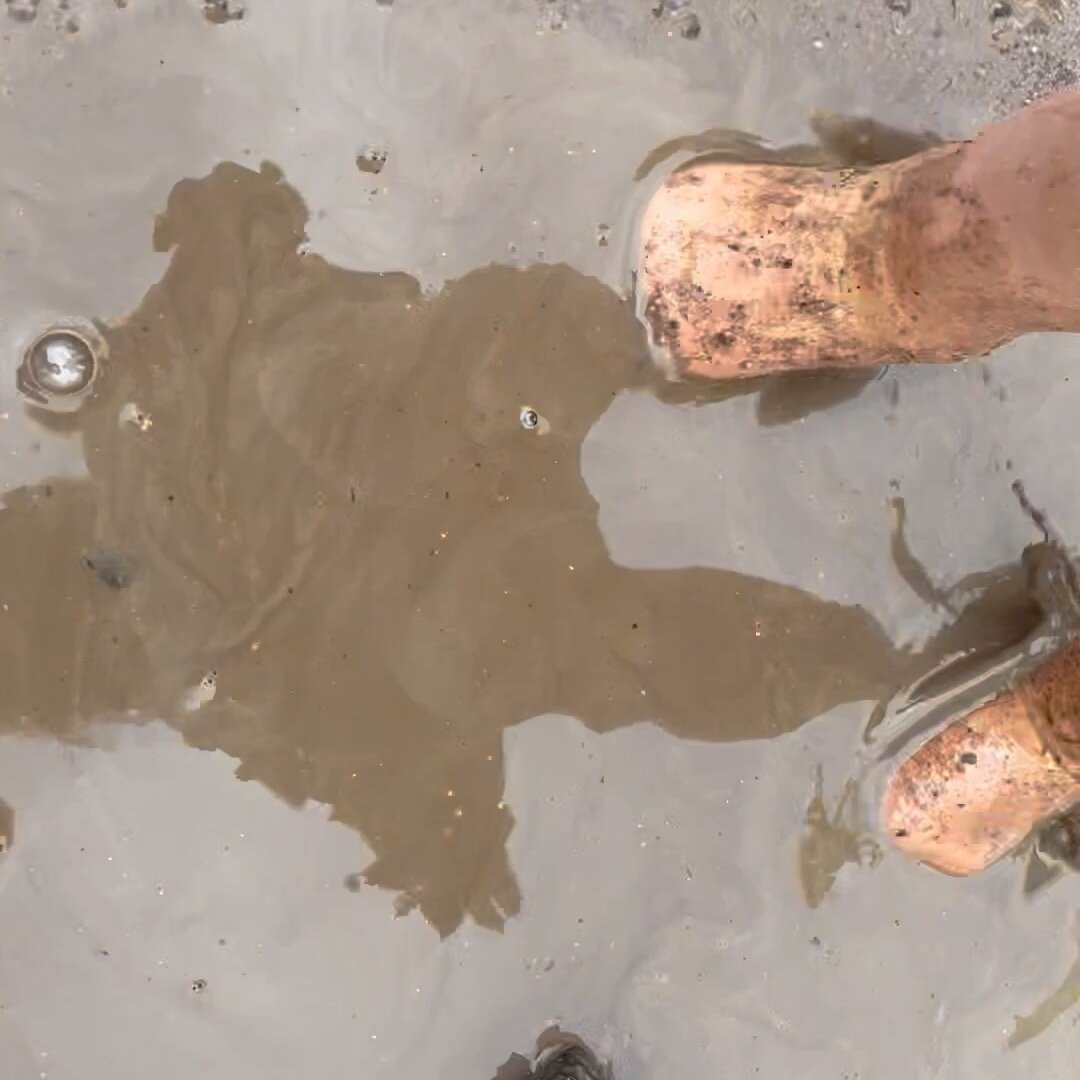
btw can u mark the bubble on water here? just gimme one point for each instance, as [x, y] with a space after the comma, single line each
[372, 159]
[531, 420]
[130, 413]
[61, 362]
[202, 693]
[59, 366]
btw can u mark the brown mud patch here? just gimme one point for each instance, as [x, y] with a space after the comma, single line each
[332, 511]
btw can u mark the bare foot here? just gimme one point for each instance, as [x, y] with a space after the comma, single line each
[974, 791]
[749, 269]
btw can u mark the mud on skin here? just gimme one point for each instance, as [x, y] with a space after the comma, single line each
[338, 511]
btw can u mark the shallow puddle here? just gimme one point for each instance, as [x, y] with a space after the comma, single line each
[562, 694]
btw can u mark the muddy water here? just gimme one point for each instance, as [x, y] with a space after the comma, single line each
[556, 723]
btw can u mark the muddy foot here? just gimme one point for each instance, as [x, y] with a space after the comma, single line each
[749, 269]
[974, 791]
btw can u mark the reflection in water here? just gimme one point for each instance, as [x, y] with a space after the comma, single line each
[1055, 851]
[1047, 1011]
[995, 615]
[337, 511]
[843, 142]
[832, 840]
[559, 1055]
[7, 826]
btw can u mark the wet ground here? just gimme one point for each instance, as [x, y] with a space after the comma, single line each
[393, 666]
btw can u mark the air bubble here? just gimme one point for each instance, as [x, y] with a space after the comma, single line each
[60, 366]
[202, 693]
[372, 160]
[130, 413]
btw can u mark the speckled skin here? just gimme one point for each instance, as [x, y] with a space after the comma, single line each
[972, 792]
[748, 269]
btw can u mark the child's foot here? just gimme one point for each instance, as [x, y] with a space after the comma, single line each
[974, 791]
[750, 269]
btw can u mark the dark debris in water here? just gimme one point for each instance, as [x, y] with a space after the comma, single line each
[112, 569]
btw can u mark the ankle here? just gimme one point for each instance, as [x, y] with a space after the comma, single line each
[946, 281]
